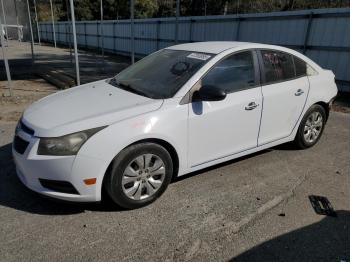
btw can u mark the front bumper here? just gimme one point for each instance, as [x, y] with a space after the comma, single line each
[31, 167]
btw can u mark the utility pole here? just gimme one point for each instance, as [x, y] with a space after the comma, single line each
[102, 35]
[69, 33]
[37, 22]
[31, 32]
[8, 75]
[18, 30]
[75, 43]
[4, 16]
[53, 24]
[225, 8]
[132, 31]
[177, 21]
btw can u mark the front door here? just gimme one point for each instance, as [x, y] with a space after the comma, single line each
[222, 128]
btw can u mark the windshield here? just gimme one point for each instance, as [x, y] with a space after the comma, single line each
[162, 74]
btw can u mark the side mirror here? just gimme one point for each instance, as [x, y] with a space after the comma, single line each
[209, 93]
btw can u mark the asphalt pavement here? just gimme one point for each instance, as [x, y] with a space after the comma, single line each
[254, 208]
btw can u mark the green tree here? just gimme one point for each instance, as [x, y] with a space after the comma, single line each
[44, 10]
[145, 8]
[166, 8]
[120, 9]
[116, 9]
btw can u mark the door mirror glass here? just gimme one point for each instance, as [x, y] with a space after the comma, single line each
[209, 93]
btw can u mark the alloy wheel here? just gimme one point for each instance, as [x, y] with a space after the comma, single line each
[313, 127]
[143, 176]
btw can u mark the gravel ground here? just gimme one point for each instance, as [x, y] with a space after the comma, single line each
[252, 209]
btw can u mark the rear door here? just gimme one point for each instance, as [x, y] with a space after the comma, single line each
[285, 89]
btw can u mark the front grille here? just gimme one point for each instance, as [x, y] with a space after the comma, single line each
[58, 186]
[20, 145]
[26, 129]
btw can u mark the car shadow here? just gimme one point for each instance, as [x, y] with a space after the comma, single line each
[327, 240]
[14, 194]
[230, 162]
[282, 147]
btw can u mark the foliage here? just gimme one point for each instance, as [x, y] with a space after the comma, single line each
[44, 10]
[145, 8]
[120, 9]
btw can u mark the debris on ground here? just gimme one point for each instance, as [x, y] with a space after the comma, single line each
[322, 206]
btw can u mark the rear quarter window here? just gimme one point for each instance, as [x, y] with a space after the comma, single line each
[300, 67]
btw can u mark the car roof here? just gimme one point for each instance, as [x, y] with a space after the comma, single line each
[212, 47]
[217, 47]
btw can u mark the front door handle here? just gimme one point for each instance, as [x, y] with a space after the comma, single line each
[251, 106]
[299, 92]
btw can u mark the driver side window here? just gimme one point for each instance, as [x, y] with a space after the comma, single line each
[232, 74]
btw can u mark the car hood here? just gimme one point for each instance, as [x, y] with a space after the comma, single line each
[84, 107]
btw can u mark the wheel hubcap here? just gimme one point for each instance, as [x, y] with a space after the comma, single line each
[143, 176]
[313, 127]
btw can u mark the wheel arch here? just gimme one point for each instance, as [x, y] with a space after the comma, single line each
[168, 146]
[325, 107]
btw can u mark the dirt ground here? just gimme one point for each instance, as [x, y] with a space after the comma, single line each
[25, 93]
[254, 208]
[47, 59]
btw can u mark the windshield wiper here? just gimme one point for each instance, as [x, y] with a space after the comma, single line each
[127, 87]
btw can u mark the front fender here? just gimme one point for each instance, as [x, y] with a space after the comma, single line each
[169, 125]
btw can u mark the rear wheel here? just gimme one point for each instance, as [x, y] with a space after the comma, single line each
[139, 175]
[311, 127]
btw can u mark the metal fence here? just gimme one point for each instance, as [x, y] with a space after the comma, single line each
[323, 34]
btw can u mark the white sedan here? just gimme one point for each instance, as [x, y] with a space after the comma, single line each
[178, 110]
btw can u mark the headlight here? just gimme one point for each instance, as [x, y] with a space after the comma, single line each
[65, 145]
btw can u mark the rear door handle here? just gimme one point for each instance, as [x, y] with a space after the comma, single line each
[251, 106]
[299, 92]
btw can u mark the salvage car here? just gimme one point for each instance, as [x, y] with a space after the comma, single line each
[178, 110]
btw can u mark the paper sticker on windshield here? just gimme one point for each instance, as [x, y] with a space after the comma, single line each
[199, 56]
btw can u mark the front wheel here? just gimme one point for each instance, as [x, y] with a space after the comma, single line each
[139, 175]
[311, 127]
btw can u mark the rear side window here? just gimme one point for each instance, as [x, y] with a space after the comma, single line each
[278, 66]
[300, 67]
[232, 74]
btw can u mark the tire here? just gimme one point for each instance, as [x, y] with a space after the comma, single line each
[308, 127]
[132, 170]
